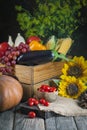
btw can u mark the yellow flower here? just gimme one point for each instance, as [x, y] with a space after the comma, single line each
[77, 67]
[71, 87]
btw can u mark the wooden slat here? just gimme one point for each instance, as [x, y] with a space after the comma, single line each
[6, 120]
[60, 123]
[65, 123]
[38, 73]
[24, 73]
[50, 124]
[81, 122]
[47, 71]
[22, 122]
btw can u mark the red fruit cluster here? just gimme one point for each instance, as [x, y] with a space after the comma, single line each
[44, 102]
[47, 88]
[34, 101]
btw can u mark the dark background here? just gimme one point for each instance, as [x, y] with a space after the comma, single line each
[9, 25]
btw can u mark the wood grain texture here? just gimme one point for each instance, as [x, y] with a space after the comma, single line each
[22, 122]
[50, 124]
[60, 123]
[14, 120]
[6, 120]
[81, 122]
[65, 123]
[38, 73]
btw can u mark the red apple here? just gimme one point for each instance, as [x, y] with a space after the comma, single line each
[33, 38]
[3, 47]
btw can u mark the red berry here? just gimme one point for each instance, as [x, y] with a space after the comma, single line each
[44, 88]
[31, 103]
[42, 101]
[52, 89]
[32, 114]
[36, 102]
[46, 103]
[31, 99]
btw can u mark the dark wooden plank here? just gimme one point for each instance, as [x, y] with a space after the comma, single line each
[25, 109]
[81, 122]
[65, 123]
[22, 122]
[6, 120]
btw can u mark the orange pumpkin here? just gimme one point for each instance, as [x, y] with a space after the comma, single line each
[11, 92]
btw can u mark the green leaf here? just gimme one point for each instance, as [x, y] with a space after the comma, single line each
[60, 56]
[50, 16]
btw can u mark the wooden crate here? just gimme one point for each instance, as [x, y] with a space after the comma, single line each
[32, 77]
[38, 73]
[30, 90]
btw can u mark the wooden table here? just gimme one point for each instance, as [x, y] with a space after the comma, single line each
[13, 120]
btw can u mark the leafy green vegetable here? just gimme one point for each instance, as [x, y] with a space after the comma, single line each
[51, 17]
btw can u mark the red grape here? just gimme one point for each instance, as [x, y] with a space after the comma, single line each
[10, 56]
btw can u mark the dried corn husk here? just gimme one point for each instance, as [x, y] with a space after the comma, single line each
[18, 40]
[10, 41]
[50, 45]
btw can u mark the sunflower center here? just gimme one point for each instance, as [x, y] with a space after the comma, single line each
[72, 89]
[75, 71]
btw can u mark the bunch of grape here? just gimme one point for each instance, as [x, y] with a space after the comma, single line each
[10, 56]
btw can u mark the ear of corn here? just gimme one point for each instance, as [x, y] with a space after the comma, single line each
[61, 45]
[65, 46]
[58, 43]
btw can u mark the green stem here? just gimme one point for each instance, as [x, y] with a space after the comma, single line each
[60, 56]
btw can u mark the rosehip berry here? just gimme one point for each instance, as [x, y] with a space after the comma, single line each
[42, 101]
[32, 114]
[46, 103]
[31, 99]
[30, 103]
[36, 102]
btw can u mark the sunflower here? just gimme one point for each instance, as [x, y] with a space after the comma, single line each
[71, 87]
[76, 67]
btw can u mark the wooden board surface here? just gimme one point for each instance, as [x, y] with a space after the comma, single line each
[22, 122]
[10, 120]
[6, 120]
[38, 73]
